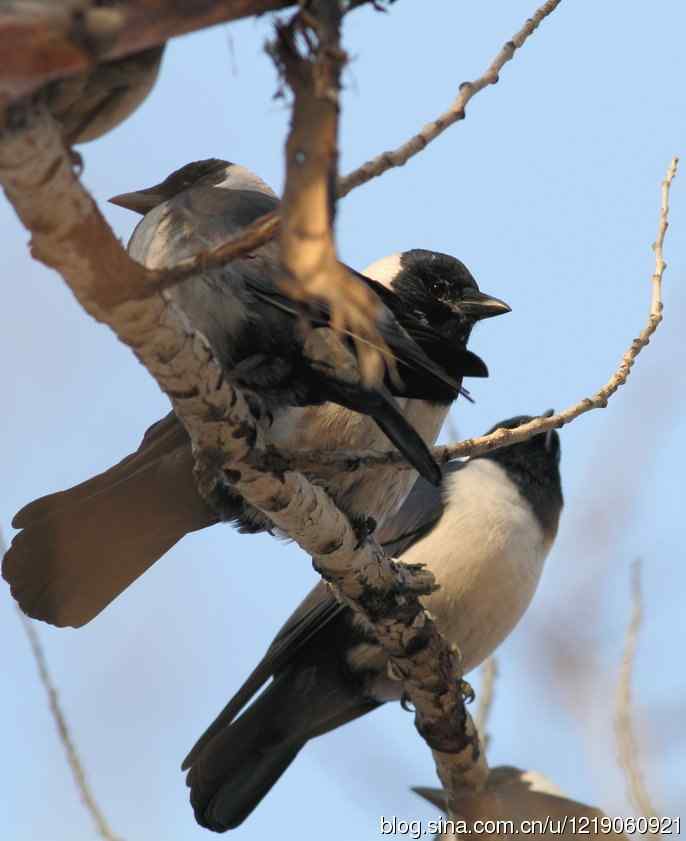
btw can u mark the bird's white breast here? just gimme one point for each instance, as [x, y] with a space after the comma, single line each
[487, 554]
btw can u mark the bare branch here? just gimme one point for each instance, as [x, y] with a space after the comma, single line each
[351, 461]
[75, 764]
[310, 57]
[248, 239]
[400, 156]
[627, 744]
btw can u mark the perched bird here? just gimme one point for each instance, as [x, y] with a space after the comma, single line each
[484, 534]
[515, 798]
[91, 103]
[78, 549]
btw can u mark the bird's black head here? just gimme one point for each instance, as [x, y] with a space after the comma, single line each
[441, 291]
[208, 173]
[534, 466]
[545, 445]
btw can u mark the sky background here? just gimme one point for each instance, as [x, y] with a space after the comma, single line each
[549, 191]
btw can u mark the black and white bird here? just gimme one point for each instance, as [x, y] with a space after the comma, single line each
[78, 549]
[484, 535]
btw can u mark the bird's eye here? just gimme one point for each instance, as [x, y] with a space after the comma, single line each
[436, 287]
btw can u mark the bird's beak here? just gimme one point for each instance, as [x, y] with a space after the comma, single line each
[140, 201]
[480, 305]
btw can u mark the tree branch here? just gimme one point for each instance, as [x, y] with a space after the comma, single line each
[309, 55]
[400, 156]
[627, 744]
[76, 766]
[246, 240]
[350, 461]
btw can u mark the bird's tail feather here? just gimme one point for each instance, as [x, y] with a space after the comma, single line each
[405, 437]
[235, 769]
[80, 548]
[238, 767]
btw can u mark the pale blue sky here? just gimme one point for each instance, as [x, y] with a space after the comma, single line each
[549, 191]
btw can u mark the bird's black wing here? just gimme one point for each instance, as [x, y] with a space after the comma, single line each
[406, 350]
[417, 515]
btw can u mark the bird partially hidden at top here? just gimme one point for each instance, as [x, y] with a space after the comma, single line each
[80, 548]
[89, 104]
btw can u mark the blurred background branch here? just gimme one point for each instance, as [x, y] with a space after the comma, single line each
[75, 765]
[489, 673]
[627, 743]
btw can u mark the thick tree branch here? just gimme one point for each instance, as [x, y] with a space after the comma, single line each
[400, 156]
[309, 55]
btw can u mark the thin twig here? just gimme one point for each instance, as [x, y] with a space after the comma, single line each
[627, 744]
[346, 461]
[267, 227]
[397, 157]
[70, 751]
[489, 673]
[259, 232]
